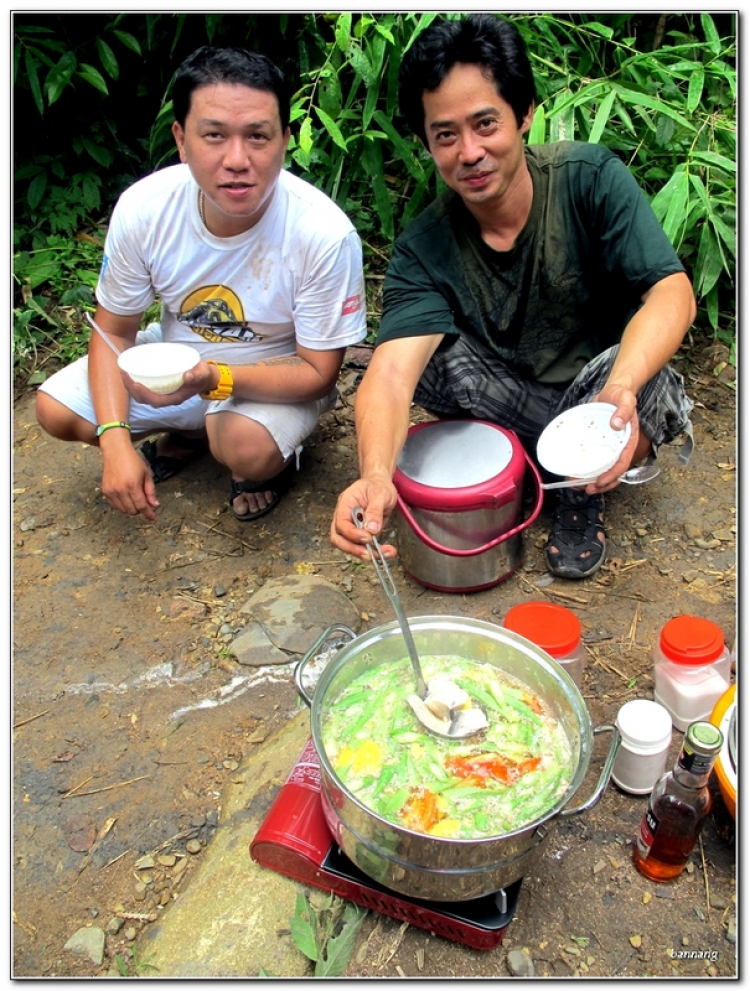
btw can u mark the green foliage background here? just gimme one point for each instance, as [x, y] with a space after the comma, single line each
[92, 114]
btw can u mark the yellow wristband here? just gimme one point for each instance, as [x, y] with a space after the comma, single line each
[225, 385]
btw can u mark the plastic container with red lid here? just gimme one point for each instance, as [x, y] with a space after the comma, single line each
[691, 669]
[553, 628]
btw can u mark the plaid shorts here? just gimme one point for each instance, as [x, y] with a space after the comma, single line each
[467, 378]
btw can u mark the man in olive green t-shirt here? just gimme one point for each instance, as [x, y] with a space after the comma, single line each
[540, 280]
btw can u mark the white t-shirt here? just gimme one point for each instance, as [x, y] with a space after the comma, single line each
[296, 276]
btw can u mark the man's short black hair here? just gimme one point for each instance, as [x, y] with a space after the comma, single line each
[485, 40]
[209, 65]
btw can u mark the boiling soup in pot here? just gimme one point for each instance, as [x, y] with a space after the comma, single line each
[493, 783]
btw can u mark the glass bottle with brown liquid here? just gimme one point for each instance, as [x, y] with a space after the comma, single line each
[678, 806]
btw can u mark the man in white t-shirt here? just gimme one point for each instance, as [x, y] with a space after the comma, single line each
[256, 269]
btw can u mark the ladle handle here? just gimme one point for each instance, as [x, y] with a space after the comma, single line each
[389, 587]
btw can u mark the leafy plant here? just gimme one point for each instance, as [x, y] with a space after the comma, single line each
[326, 932]
[668, 109]
[93, 112]
[134, 967]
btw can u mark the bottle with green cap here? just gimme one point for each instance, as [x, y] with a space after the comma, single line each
[678, 806]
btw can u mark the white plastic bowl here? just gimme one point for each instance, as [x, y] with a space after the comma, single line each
[580, 443]
[161, 366]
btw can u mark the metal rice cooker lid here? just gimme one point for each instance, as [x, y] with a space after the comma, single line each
[459, 464]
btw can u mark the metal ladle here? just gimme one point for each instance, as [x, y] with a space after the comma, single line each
[454, 731]
[634, 476]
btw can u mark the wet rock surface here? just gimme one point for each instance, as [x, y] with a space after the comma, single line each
[135, 716]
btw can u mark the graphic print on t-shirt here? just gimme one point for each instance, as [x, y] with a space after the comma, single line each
[216, 314]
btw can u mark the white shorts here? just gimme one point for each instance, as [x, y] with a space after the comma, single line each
[288, 423]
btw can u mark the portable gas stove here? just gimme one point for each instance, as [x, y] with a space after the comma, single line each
[295, 840]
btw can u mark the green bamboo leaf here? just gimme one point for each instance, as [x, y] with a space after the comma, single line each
[727, 235]
[714, 159]
[36, 190]
[709, 264]
[602, 117]
[701, 192]
[712, 307]
[665, 128]
[93, 77]
[128, 40]
[695, 88]
[422, 24]
[372, 159]
[624, 116]
[674, 222]
[213, 21]
[371, 102]
[660, 202]
[332, 127]
[107, 58]
[712, 35]
[601, 29]
[403, 149]
[639, 99]
[32, 76]
[343, 31]
[538, 129]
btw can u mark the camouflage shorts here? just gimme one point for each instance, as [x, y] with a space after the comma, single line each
[467, 378]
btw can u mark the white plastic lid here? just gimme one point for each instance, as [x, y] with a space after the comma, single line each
[645, 723]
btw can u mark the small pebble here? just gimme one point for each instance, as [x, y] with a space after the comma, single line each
[193, 846]
[130, 933]
[665, 893]
[219, 591]
[718, 901]
[114, 925]
[167, 859]
[635, 941]
[685, 941]
[731, 933]
[647, 896]
[179, 867]
[599, 866]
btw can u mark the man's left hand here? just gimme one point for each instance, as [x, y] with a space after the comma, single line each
[626, 412]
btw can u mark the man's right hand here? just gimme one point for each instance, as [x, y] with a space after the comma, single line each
[377, 497]
[127, 484]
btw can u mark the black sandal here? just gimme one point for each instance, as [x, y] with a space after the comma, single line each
[576, 544]
[164, 467]
[277, 485]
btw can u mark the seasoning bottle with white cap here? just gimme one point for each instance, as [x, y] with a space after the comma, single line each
[646, 731]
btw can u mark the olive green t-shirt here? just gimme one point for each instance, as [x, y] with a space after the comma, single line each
[564, 292]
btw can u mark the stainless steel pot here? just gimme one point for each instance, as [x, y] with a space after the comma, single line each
[431, 867]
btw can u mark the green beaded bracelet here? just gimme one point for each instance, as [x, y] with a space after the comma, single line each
[109, 426]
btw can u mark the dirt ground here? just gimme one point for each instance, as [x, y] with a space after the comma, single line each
[130, 715]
